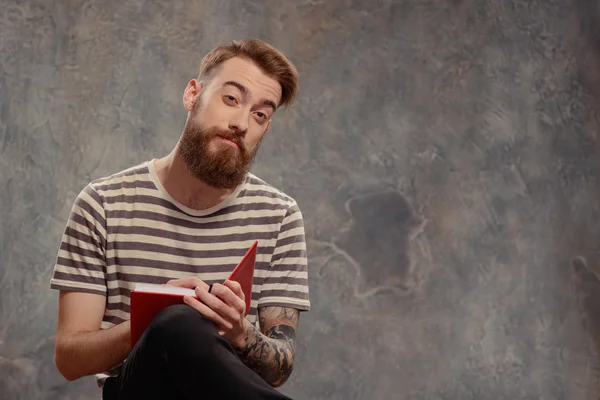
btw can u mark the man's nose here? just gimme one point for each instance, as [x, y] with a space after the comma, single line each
[239, 122]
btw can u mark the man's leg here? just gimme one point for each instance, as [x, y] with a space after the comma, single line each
[181, 356]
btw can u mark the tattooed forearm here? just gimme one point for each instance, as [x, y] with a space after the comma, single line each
[270, 353]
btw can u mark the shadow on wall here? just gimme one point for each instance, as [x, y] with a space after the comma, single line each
[379, 239]
[381, 228]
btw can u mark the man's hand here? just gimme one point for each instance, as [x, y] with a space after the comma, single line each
[269, 352]
[224, 305]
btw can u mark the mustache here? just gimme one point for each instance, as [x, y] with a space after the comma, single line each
[235, 138]
[200, 134]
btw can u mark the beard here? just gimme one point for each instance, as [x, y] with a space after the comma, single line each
[224, 166]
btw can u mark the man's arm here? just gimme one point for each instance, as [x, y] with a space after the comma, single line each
[270, 353]
[81, 348]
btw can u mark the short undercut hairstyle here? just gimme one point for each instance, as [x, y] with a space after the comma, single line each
[270, 60]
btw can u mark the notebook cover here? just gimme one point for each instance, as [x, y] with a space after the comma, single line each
[145, 306]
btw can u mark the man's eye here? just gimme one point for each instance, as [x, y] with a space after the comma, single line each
[261, 115]
[230, 99]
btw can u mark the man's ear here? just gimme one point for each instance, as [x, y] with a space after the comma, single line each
[191, 92]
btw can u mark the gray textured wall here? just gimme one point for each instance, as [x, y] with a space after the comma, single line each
[444, 154]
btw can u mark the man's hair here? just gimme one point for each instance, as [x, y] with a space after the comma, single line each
[270, 60]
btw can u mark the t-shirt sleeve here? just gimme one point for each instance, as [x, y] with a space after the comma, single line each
[286, 281]
[80, 263]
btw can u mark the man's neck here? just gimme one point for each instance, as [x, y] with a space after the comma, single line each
[185, 188]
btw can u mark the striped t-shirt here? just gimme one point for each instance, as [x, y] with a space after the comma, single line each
[126, 228]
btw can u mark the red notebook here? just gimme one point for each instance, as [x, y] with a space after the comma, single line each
[147, 300]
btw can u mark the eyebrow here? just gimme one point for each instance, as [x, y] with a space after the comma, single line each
[244, 90]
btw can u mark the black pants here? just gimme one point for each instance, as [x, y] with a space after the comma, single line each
[181, 356]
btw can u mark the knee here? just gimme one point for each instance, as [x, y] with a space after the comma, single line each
[179, 324]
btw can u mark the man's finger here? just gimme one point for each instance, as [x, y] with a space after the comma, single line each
[207, 312]
[235, 288]
[221, 300]
[189, 282]
[230, 296]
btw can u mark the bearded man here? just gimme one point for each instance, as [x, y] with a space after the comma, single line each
[186, 220]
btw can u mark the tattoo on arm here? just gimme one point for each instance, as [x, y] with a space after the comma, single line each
[270, 353]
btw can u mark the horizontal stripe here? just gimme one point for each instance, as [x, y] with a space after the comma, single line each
[69, 285]
[91, 192]
[278, 285]
[135, 278]
[143, 185]
[285, 300]
[116, 201]
[98, 282]
[289, 248]
[114, 320]
[149, 241]
[200, 233]
[74, 235]
[91, 198]
[284, 293]
[225, 249]
[165, 262]
[295, 254]
[79, 265]
[154, 216]
[132, 172]
[98, 219]
[291, 240]
[120, 291]
[143, 180]
[79, 228]
[246, 207]
[261, 270]
[292, 224]
[299, 278]
[207, 238]
[120, 314]
[118, 306]
[136, 184]
[120, 211]
[76, 249]
[83, 261]
[288, 263]
[298, 231]
[265, 193]
[74, 271]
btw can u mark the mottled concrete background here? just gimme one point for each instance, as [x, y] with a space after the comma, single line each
[444, 154]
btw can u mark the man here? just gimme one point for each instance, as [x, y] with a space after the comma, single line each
[186, 220]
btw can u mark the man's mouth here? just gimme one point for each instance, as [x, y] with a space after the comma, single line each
[231, 142]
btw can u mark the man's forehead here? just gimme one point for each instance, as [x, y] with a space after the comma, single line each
[248, 74]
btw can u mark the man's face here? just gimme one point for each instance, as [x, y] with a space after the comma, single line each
[228, 117]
